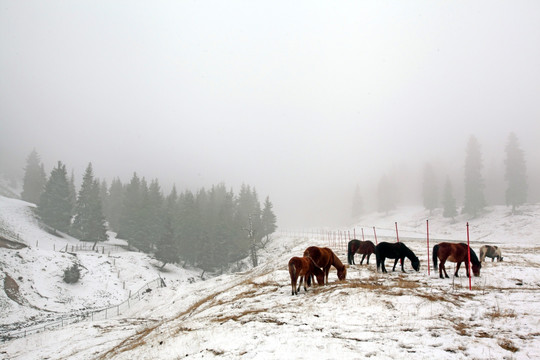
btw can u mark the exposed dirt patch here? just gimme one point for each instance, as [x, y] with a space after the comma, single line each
[12, 290]
[8, 244]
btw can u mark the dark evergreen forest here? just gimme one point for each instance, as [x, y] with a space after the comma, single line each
[209, 228]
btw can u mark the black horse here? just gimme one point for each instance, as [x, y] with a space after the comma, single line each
[398, 251]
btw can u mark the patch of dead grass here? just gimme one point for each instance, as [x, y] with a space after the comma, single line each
[507, 345]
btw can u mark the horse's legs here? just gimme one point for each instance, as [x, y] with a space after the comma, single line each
[457, 269]
[402, 261]
[363, 257]
[326, 272]
[302, 281]
[441, 269]
[383, 268]
[395, 263]
[293, 284]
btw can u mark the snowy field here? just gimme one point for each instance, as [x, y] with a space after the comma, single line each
[252, 315]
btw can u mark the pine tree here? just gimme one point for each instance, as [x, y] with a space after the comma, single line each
[72, 191]
[474, 183]
[55, 204]
[248, 218]
[429, 189]
[34, 179]
[130, 217]
[268, 219]
[449, 202]
[166, 248]
[113, 210]
[515, 174]
[154, 218]
[89, 222]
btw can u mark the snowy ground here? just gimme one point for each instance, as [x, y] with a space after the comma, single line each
[370, 315]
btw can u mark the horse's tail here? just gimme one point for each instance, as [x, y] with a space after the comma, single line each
[349, 253]
[377, 257]
[435, 257]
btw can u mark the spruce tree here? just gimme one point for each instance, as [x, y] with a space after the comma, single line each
[268, 219]
[55, 204]
[474, 183]
[34, 179]
[248, 218]
[449, 202]
[113, 210]
[515, 174]
[429, 189]
[89, 222]
[154, 218]
[166, 248]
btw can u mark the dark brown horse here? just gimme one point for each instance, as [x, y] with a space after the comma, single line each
[455, 253]
[325, 258]
[366, 248]
[303, 267]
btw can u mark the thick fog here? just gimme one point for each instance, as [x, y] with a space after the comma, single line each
[302, 100]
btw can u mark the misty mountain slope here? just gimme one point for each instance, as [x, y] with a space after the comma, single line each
[253, 315]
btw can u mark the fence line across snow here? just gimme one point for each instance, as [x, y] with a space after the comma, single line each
[101, 314]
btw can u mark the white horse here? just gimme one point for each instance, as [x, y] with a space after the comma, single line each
[492, 252]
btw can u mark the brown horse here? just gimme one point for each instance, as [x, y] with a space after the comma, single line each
[366, 248]
[455, 253]
[303, 267]
[324, 258]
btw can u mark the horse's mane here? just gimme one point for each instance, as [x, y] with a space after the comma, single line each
[409, 253]
[474, 258]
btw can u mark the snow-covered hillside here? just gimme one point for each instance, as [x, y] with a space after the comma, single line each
[36, 271]
[250, 315]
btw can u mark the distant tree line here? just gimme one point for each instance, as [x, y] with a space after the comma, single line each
[209, 228]
[515, 175]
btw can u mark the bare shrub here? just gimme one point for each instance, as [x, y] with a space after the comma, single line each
[72, 274]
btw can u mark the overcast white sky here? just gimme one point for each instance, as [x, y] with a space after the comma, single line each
[301, 99]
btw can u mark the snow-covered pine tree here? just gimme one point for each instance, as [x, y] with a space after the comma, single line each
[515, 173]
[449, 202]
[55, 204]
[88, 221]
[474, 182]
[34, 179]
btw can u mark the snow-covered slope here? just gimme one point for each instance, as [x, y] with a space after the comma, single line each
[409, 315]
[36, 271]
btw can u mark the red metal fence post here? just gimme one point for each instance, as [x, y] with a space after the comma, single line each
[469, 258]
[427, 232]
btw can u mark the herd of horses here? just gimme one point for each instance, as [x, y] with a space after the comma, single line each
[317, 261]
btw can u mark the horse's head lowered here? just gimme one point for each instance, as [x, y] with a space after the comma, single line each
[341, 274]
[476, 269]
[415, 264]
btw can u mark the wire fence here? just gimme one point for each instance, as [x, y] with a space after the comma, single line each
[94, 315]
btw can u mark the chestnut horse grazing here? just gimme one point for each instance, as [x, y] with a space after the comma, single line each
[303, 267]
[396, 251]
[324, 258]
[455, 253]
[366, 248]
[492, 252]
